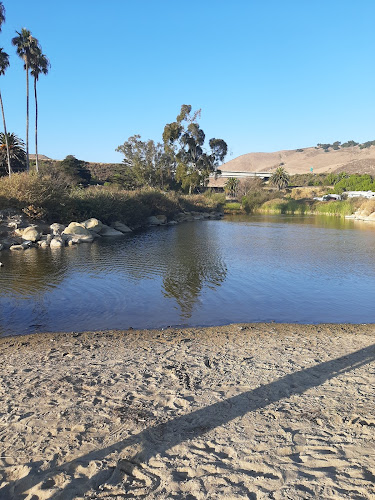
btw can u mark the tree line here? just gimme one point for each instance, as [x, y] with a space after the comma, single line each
[13, 156]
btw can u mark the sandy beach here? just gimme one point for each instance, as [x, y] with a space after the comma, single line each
[242, 411]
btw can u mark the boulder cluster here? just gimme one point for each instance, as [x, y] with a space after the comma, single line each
[17, 233]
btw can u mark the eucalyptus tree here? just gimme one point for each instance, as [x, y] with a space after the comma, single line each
[25, 45]
[39, 64]
[145, 163]
[184, 140]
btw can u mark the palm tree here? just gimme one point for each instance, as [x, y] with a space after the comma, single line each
[17, 155]
[4, 64]
[25, 44]
[2, 14]
[280, 178]
[39, 64]
[231, 186]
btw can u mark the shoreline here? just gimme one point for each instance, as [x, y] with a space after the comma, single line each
[259, 410]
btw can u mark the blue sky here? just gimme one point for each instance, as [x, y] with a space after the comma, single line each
[267, 74]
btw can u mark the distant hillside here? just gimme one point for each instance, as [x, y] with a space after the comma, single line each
[349, 159]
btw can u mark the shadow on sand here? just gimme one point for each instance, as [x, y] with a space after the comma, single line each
[159, 438]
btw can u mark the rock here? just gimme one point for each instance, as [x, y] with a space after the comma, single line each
[78, 238]
[43, 243]
[162, 218]
[76, 228]
[93, 224]
[31, 233]
[1, 264]
[16, 248]
[57, 242]
[172, 222]
[1, 247]
[119, 226]
[8, 242]
[109, 231]
[27, 244]
[153, 221]
[57, 228]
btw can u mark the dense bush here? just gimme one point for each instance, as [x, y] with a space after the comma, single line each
[53, 199]
[355, 182]
[45, 194]
[254, 199]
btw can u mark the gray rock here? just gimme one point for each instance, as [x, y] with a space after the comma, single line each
[1, 247]
[153, 221]
[57, 242]
[76, 228]
[119, 226]
[57, 228]
[31, 233]
[8, 242]
[78, 238]
[27, 244]
[93, 224]
[162, 218]
[109, 231]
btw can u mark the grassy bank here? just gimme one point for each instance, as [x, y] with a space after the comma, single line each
[52, 199]
[292, 206]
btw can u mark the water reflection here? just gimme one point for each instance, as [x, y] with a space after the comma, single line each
[192, 266]
[112, 283]
[259, 268]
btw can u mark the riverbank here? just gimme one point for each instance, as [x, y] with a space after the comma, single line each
[240, 411]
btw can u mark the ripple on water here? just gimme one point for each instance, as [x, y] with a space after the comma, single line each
[203, 273]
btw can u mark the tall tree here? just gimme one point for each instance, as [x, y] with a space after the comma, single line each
[4, 64]
[145, 164]
[184, 139]
[2, 15]
[25, 44]
[39, 64]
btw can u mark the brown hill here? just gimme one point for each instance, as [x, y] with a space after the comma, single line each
[351, 160]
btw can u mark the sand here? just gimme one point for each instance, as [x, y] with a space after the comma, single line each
[242, 411]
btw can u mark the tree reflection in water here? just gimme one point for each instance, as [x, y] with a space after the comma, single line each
[194, 261]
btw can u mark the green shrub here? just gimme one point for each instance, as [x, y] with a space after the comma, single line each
[340, 208]
[232, 206]
[254, 199]
[286, 206]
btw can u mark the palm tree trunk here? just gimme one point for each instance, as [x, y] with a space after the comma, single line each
[27, 117]
[36, 128]
[6, 136]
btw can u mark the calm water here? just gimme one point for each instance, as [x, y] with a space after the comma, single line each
[241, 269]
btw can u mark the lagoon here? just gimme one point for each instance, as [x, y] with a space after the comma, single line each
[261, 268]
